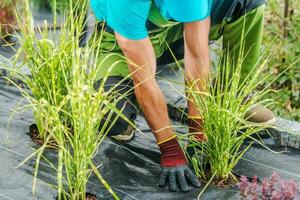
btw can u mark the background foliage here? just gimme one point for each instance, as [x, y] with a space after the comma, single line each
[49, 4]
[282, 41]
[4, 3]
[7, 16]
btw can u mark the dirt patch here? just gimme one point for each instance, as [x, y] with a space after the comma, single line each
[34, 135]
[231, 181]
[90, 196]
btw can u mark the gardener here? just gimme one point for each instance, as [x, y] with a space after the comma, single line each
[137, 32]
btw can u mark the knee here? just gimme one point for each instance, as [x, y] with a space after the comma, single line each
[129, 111]
[125, 44]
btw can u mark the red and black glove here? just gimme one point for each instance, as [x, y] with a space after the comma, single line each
[196, 129]
[196, 135]
[174, 168]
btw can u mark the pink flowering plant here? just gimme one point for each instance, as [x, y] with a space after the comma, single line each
[272, 188]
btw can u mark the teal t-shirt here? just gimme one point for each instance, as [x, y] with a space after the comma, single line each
[128, 17]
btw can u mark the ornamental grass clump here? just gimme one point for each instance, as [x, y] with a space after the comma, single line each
[78, 146]
[49, 64]
[67, 109]
[223, 108]
[88, 109]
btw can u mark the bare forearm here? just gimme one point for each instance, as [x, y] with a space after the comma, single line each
[197, 64]
[142, 65]
[197, 69]
[154, 108]
[197, 75]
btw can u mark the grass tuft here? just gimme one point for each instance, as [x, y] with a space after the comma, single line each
[60, 91]
[224, 110]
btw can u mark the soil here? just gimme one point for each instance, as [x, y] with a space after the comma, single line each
[88, 196]
[34, 135]
[229, 182]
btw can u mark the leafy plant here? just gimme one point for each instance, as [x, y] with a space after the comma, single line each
[272, 188]
[282, 41]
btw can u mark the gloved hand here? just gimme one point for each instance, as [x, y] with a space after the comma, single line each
[181, 175]
[174, 168]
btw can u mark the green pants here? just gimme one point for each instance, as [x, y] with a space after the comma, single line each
[244, 26]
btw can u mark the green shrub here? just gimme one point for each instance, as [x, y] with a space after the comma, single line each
[5, 3]
[282, 41]
[60, 6]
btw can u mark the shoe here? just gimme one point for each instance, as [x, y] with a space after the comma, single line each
[260, 114]
[126, 136]
[8, 41]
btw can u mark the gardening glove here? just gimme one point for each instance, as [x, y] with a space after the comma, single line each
[196, 134]
[174, 168]
[196, 129]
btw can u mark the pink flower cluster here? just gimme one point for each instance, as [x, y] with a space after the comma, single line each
[272, 188]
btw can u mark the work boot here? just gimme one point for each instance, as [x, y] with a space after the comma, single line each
[8, 40]
[125, 136]
[259, 114]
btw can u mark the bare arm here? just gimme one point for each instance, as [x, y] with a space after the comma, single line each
[196, 62]
[147, 92]
[174, 168]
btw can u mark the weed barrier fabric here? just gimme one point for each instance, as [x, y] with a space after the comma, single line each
[132, 169]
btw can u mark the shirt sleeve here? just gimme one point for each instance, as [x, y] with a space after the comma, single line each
[128, 17]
